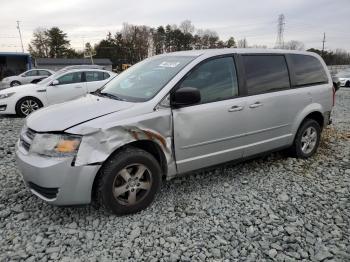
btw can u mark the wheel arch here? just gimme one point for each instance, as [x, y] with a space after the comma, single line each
[15, 80]
[41, 104]
[147, 145]
[29, 96]
[313, 111]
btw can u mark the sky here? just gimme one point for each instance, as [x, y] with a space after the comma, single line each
[90, 21]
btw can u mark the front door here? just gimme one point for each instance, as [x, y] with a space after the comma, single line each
[212, 131]
[70, 86]
[29, 76]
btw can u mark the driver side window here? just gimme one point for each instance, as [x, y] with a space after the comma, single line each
[70, 78]
[215, 79]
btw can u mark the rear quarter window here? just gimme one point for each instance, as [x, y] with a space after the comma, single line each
[106, 75]
[308, 70]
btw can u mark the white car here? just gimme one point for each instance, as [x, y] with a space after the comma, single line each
[31, 76]
[62, 86]
[344, 78]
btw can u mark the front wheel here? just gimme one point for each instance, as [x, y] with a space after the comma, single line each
[307, 139]
[27, 105]
[15, 83]
[128, 181]
[347, 84]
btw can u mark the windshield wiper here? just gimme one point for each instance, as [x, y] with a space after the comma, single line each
[99, 93]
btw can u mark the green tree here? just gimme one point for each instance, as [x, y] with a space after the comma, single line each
[231, 43]
[51, 43]
[57, 42]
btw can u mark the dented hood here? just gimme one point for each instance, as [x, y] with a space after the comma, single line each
[65, 115]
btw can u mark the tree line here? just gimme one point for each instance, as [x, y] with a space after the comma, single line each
[134, 43]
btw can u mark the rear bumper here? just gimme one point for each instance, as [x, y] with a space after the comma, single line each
[55, 180]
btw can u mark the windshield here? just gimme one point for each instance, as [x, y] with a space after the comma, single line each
[144, 80]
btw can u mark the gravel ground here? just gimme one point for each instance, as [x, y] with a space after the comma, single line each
[272, 208]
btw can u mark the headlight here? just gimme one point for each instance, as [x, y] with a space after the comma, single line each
[55, 145]
[2, 96]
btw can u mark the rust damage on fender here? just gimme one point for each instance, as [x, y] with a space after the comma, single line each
[98, 144]
[139, 134]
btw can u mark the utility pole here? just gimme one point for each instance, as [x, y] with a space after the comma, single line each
[323, 41]
[20, 35]
[280, 29]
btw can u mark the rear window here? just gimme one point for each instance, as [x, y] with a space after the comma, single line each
[44, 73]
[265, 73]
[308, 70]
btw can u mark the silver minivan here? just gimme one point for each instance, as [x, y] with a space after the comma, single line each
[172, 114]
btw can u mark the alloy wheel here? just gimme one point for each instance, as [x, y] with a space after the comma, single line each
[15, 84]
[132, 184]
[308, 140]
[28, 106]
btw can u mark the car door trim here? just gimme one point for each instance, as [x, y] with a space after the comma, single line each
[233, 137]
[231, 149]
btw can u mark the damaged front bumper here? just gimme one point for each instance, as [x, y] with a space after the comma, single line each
[55, 180]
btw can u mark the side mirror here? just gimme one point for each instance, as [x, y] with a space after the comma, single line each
[185, 96]
[55, 82]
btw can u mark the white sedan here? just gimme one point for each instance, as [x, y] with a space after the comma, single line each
[31, 76]
[60, 87]
[344, 78]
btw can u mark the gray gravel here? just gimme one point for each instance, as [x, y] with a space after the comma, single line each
[272, 208]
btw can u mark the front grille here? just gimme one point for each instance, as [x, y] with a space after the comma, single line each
[30, 133]
[25, 145]
[26, 138]
[49, 193]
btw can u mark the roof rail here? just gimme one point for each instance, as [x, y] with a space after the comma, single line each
[83, 67]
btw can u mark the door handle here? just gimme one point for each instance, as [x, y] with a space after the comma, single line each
[235, 108]
[78, 87]
[255, 105]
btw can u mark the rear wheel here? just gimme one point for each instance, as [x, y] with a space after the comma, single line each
[27, 105]
[307, 139]
[129, 181]
[15, 83]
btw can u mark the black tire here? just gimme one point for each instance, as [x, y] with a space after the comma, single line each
[108, 194]
[298, 149]
[19, 106]
[15, 83]
[347, 84]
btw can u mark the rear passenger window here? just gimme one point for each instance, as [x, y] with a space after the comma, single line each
[216, 80]
[265, 73]
[308, 70]
[44, 73]
[94, 76]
